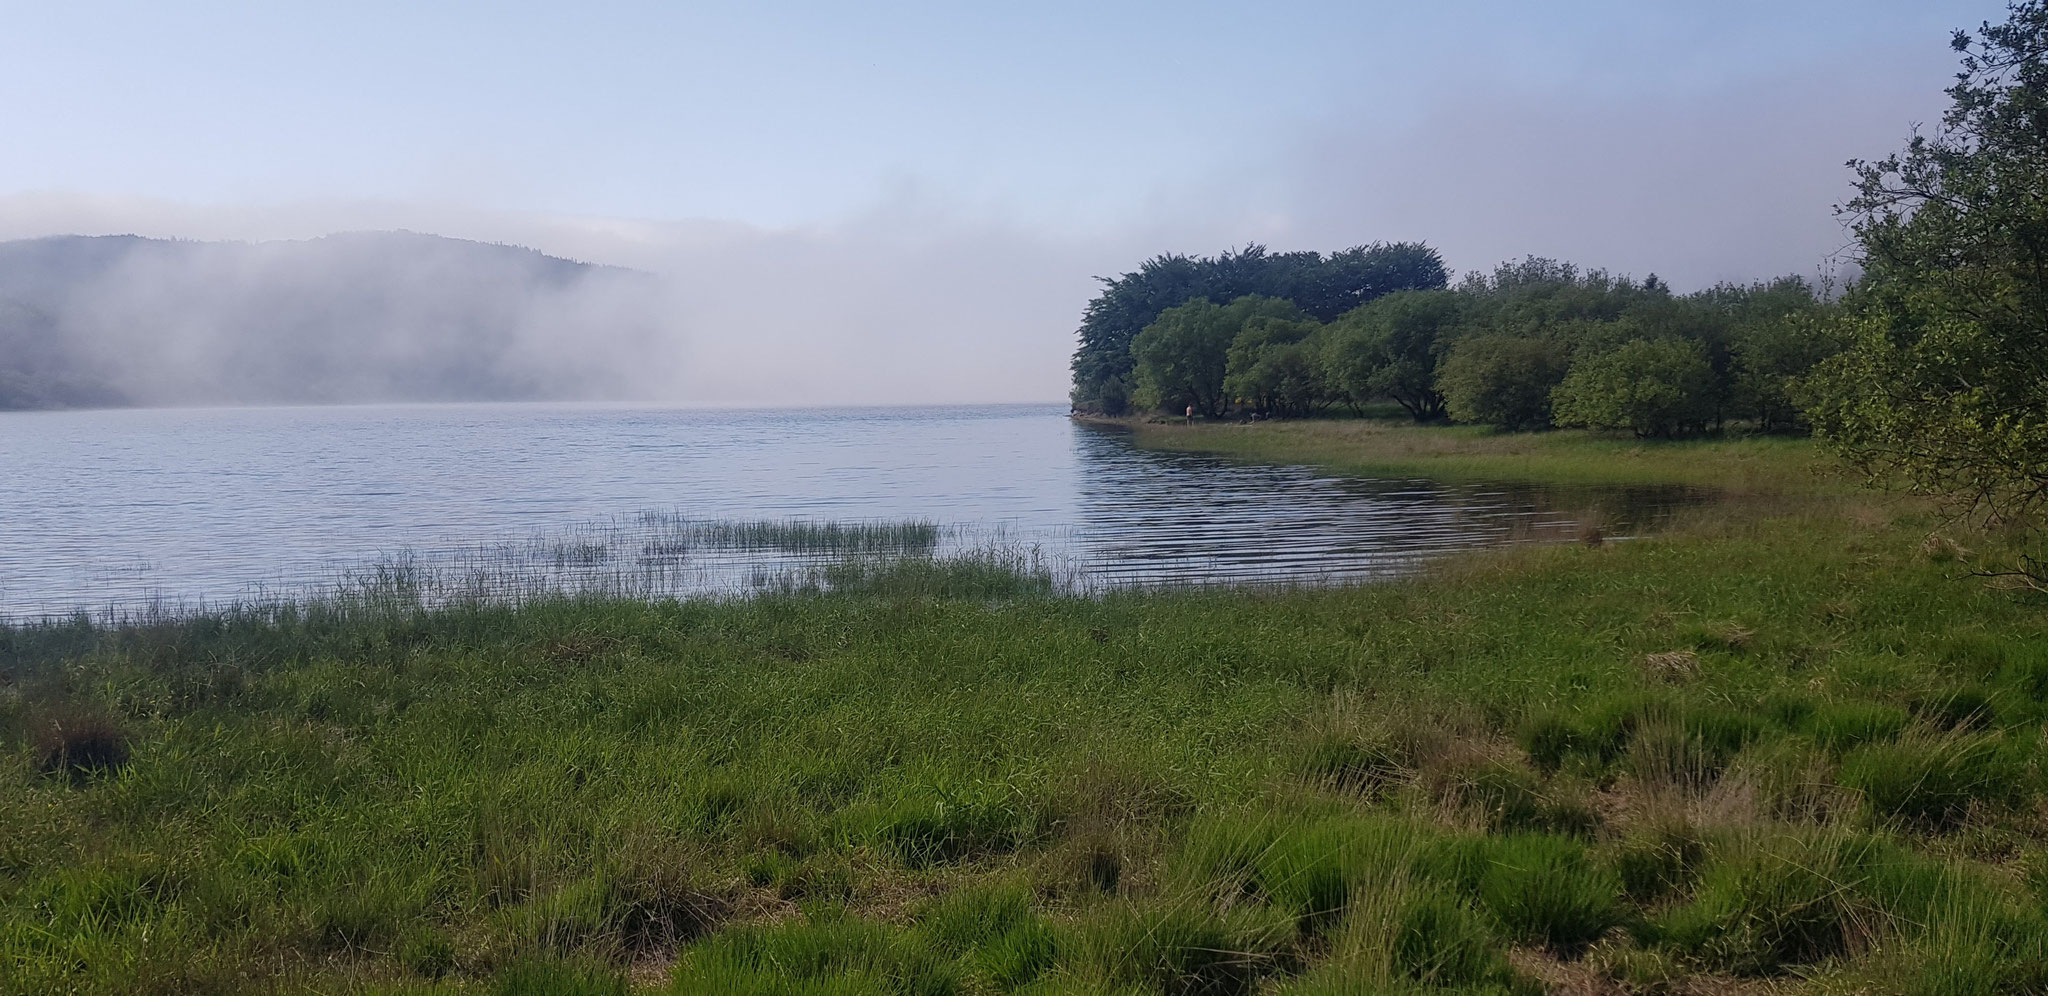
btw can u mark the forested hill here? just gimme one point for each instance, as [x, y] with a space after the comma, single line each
[358, 317]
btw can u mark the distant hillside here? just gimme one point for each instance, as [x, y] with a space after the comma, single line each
[360, 317]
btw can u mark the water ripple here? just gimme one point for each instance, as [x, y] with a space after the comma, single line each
[117, 509]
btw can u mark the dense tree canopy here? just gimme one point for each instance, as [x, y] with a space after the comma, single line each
[1322, 286]
[1273, 366]
[1945, 384]
[1182, 357]
[1501, 380]
[1388, 349]
[1532, 344]
[1651, 387]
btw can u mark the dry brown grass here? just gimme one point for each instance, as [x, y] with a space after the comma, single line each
[1672, 665]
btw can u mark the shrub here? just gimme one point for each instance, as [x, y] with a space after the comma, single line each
[996, 927]
[1309, 869]
[1790, 778]
[1551, 738]
[1501, 381]
[1652, 387]
[1689, 747]
[426, 952]
[1366, 765]
[1955, 709]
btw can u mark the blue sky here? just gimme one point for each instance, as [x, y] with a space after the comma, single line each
[1703, 140]
[787, 113]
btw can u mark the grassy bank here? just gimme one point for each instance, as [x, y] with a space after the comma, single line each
[1782, 749]
[1380, 447]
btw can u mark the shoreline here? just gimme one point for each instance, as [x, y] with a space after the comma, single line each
[951, 780]
[1370, 447]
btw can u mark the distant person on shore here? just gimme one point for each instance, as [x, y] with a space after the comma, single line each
[1191, 414]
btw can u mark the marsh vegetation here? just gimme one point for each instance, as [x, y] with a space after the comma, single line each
[1793, 743]
[1781, 745]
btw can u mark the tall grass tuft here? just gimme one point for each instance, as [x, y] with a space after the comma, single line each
[78, 742]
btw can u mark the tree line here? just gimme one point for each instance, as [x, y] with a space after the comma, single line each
[1533, 344]
[1930, 371]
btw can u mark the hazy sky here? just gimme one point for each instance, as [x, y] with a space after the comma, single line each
[885, 201]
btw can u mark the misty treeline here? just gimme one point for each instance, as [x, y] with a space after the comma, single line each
[1930, 371]
[1535, 343]
[359, 317]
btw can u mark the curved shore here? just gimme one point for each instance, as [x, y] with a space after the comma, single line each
[1541, 768]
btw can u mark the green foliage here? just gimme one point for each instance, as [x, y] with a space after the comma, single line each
[1500, 344]
[940, 824]
[1388, 349]
[1651, 387]
[1275, 368]
[1323, 286]
[1501, 381]
[1183, 356]
[1658, 859]
[996, 927]
[1781, 904]
[541, 977]
[1771, 357]
[1945, 382]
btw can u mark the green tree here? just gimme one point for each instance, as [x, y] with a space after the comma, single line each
[1273, 369]
[1389, 349]
[1182, 357]
[1502, 381]
[1323, 286]
[1945, 383]
[1771, 359]
[1652, 387]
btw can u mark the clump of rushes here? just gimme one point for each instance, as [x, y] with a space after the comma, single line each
[1933, 778]
[78, 742]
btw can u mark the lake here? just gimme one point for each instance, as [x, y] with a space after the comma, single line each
[123, 510]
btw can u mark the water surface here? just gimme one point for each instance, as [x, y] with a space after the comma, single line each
[122, 509]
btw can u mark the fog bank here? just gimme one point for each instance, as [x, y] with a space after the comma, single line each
[363, 317]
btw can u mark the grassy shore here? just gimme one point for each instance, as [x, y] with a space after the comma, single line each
[1394, 447]
[1782, 748]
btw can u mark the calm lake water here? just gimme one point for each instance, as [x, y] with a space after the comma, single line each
[121, 510]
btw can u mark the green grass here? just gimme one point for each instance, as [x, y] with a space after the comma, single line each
[1394, 447]
[936, 778]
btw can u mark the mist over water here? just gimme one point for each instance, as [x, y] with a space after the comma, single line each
[363, 317]
[122, 509]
